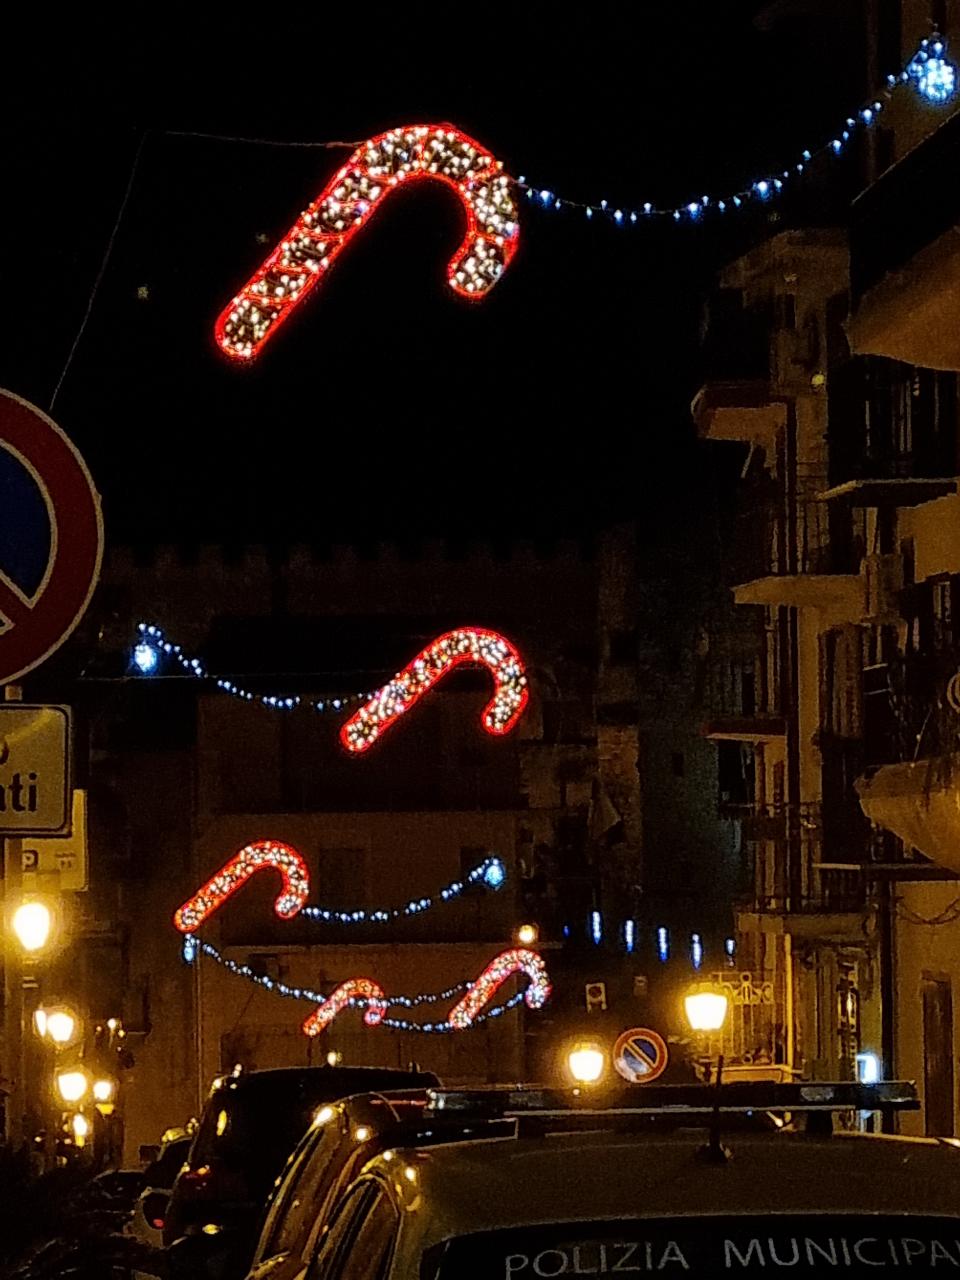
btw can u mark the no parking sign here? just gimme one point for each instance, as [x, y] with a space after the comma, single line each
[51, 537]
[640, 1055]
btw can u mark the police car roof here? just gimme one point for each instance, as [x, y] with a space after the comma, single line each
[476, 1186]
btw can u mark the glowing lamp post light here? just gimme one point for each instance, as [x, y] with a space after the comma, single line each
[32, 923]
[586, 1062]
[104, 1089]
[72, 1085]
[60, 1025]
[706, 1010]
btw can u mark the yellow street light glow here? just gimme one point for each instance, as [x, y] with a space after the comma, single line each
[72, 1085]
[323, 1116]
[586, 1063]
[410, 1173]
[32, 922]
[61, 1026]
[40, 1022]
[527, 934]
[334, 1058]
[81, 1128]
[362, 1132]
[706, 1009]
[112, 1024]
[222, 1121]
[103, 1089]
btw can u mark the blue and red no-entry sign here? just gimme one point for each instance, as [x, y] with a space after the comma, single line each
[51, 537]
[640, 1055]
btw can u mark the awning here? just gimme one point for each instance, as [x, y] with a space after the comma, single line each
[919, 802]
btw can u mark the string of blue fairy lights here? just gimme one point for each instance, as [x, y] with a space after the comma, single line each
[929, 72]
[490, 872]
[153, 646]
[196, 945]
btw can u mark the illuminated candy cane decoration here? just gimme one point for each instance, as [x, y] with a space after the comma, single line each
[346, 203]
[354, 989]
[468, 644]
[251, 858]
[492, 979]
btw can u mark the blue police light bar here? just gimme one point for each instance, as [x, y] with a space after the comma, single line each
[738, 1096]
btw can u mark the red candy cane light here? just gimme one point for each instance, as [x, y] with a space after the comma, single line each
[466, 645]
[410, 153]
[250, 859]
[355, 989]
[492, 979]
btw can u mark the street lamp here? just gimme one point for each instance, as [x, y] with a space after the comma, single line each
[32, 923]
[586, 1062]
[527, 935]
[81, 1128]
[104, 1089]
[706, 1009]
[61, 1025]
[72, 1085]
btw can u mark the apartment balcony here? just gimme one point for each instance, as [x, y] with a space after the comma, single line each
[919, 801]
[905, 257]
[756, 728]
[807, 878]
[739, 410]
[841, 597]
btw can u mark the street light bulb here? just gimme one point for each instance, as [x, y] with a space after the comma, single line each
[585, 1062]
[72, 1085]
[40, 1022]
[31, 924]
[81, 1127]
[61, 1026]
[527, 934]
[103, 1090]
[706, 1009]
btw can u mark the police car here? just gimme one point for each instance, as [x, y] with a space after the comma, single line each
[743, 1182]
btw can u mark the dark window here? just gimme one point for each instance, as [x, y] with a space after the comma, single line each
[623, 647]
[785, 311]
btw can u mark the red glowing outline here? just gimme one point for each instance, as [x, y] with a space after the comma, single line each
[408, 686]
[270, 854]
[337, 1001]
[502, 967]
[293, 269]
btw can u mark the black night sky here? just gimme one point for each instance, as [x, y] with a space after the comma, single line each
[387, 407]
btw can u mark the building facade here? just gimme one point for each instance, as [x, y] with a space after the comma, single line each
[833, 695]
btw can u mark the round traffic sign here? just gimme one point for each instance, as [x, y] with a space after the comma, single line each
[640, 1055]
[51, 537]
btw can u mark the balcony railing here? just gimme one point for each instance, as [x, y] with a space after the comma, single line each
[788, 845]
[906, 713]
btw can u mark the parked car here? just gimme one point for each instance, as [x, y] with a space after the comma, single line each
[640, 1187]
[150, 1211]
[250, 1125]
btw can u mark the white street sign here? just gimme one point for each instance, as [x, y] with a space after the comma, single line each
[62, 857]
[34, 769]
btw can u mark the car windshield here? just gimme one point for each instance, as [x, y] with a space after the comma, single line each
[253, 1128]
[813, 1244]
[163, 1170]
